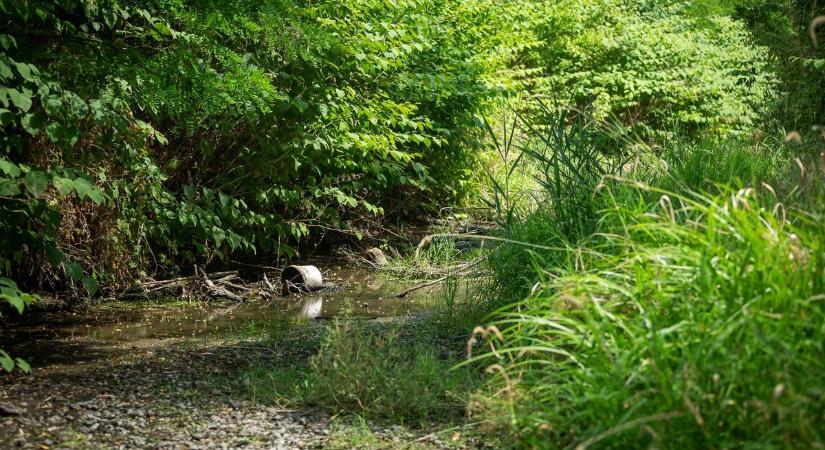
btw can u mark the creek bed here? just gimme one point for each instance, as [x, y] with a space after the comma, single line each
[85, 335]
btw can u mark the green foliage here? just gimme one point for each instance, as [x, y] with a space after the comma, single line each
[214, 129]
[12, 295]
[688, 319]
[654, 66]
[374, 371]
[568, 156]
[17, 299]
[31, 220]
[8, 363]
[783, 27]
[218, 128]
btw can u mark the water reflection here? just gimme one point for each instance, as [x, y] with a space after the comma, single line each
[360, 293]
[311, 307]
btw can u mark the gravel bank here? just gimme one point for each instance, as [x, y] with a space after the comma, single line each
[164, 398]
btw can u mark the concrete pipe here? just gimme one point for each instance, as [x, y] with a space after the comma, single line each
[301, 279]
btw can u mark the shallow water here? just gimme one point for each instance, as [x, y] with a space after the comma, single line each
[78, 337]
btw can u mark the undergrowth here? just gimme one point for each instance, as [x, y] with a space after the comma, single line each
[393, 373]
[692, 317]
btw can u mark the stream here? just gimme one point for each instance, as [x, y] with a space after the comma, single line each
[164, 374]
[78, 337]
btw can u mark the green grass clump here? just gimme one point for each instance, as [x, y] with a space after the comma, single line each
[382, 374]
[682, 168]
[386, 372]
[689, 320]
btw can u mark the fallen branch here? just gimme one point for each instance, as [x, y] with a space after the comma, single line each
[421, 286]
[455, 270]
[218, 291]
[268, 284]
[174, 281]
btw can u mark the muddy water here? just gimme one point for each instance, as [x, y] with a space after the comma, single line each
[82, 337]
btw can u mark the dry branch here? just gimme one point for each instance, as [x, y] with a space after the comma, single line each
[460, 269]
[422, 286]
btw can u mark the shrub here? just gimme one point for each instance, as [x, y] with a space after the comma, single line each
[654, 66]
[215, 128]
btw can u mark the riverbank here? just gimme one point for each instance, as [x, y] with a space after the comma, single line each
[175, 374]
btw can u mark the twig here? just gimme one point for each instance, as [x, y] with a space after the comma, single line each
[268, 284]
[422, 286]
[446, 430]
[235, 286]
[153, 283]
[218, 291]
[451, 271]
[257, 266]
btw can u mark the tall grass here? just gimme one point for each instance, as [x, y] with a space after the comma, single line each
[565, 154]
[692, 317]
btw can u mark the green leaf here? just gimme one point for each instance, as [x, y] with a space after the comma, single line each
[5, 70]
[52, 104]
[301, 105]
[53, 255]
[36, 182]
[20, 99]
[74, 270]
[82, 187]
[7, 42]
[9, 168]
[23, 365]
[90, 284]
[54, 131]
[63, 185]
[13, 298]
[218, 235]
[9, 188]
[25, 71]
[6, 362]
[70, 135]
[6, 117]
[188, 192]
[224, 199]
[32, 123]
[96, 196]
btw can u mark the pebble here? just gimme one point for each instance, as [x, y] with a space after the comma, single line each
[133, 405]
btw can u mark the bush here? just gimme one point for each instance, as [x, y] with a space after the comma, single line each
[654, 66]
[203, 129]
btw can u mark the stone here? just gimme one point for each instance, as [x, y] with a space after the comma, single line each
[9, 410]
[376, 257]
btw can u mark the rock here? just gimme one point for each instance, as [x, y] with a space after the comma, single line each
[88, 404]
[9, 410]
[376, 257]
